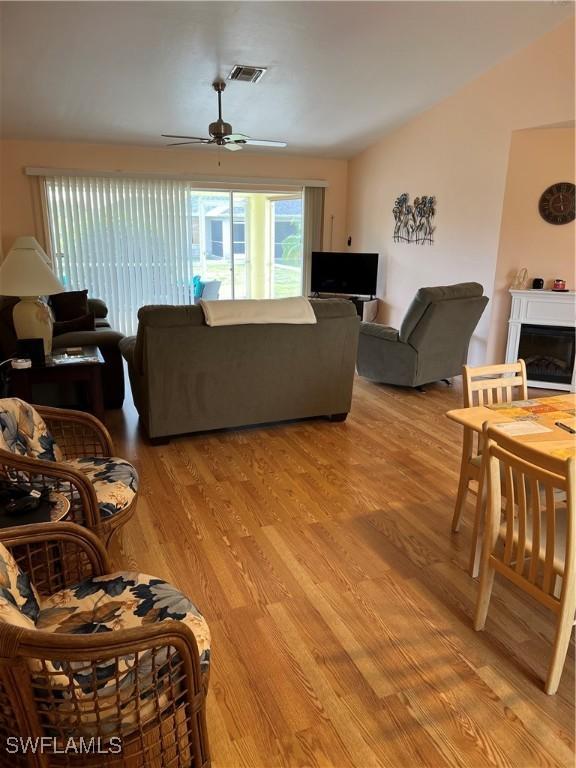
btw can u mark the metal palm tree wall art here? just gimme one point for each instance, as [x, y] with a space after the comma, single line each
[414, 222]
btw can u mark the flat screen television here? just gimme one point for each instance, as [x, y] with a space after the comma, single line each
[353, 274]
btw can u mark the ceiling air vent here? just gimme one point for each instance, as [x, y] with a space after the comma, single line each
[246, 74]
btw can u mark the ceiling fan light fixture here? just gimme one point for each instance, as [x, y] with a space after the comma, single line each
[219, 129]
[243, 73]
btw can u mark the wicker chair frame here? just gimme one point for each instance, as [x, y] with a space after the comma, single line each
[39, 673]
[78, 434]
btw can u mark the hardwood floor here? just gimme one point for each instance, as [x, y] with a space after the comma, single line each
[338, 600]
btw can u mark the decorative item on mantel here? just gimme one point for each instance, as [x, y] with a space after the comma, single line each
[413, 223]
[520, 279]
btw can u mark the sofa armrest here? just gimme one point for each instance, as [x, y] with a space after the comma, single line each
[98, 307]
[131, 352]
[379, 331]
[127, 346]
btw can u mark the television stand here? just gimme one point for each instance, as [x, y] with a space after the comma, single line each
[366, 307]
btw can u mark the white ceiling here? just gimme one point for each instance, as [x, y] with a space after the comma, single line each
[340, 73]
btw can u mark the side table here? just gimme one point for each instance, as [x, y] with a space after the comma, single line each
[62, 368]
[59, 511]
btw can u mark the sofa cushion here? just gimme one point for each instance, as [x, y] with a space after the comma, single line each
[82, 323]
[327, 309]
[98, 307]
[168, 316]
[115, 481]
[426, 296]
[69, 305]
[23, 431]
[99, 337]
[211, 289]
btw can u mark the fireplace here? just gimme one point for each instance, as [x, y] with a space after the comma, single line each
[541, 332]
[548, 352]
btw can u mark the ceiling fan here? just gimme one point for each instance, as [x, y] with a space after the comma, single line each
[221, 132]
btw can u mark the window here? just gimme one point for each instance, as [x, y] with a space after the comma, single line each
[141, 241]
[287, 247]
[217, 239]
[239, 245]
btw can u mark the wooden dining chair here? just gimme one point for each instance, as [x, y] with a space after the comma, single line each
[530, 534]
[484, 385]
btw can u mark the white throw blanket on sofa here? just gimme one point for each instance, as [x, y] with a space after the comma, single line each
[295, 311]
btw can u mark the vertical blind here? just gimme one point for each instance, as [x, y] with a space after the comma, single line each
[127, 240]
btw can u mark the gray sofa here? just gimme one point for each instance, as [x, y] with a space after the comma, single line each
[189, 377]
[432, 343]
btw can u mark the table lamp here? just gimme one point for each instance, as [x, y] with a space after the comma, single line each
[25, 273]
[27, 241]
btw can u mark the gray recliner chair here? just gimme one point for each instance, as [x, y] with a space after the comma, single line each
[432, 343]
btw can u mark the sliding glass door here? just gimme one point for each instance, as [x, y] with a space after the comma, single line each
[154, 241]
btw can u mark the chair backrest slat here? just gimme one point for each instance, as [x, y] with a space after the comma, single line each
[487, 384]
[509, 484]
[547, 584]
[536, 538]
[522, 524]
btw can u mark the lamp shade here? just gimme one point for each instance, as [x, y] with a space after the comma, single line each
[25, 273]
[27, 241]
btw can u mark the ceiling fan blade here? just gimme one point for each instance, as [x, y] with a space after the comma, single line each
[232, 146]
[175, 136]
[236, 137]
[266, 143]
[182, 143]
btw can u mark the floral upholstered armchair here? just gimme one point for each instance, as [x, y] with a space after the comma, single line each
[72, 453]
[89, 656]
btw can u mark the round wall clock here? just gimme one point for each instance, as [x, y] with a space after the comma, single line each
[557, 204]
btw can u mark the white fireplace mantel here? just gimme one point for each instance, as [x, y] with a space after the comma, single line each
[539, 307]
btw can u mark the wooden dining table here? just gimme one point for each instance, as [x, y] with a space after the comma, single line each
[531, 422]
[541, 411]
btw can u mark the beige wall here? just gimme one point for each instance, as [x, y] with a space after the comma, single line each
[538, 158]
[458, 152]
[20, 210]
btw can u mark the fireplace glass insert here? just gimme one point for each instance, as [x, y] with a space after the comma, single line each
[548, 352]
